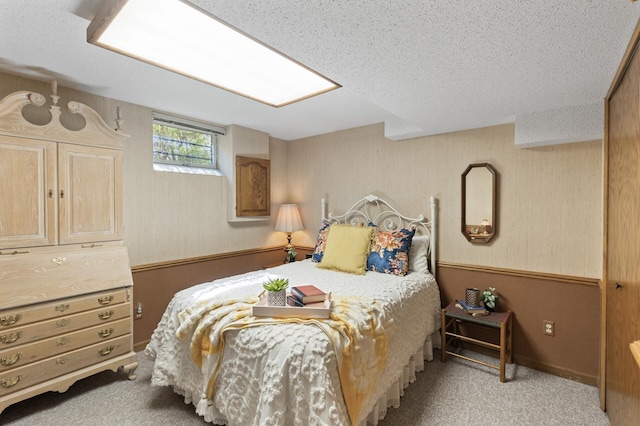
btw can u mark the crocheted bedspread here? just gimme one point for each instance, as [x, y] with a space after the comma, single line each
[291, 371]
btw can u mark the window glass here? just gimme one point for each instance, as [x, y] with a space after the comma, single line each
[184, 144]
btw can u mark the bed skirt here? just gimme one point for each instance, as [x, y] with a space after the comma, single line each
[392, 397]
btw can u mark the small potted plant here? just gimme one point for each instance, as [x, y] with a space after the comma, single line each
[489, 299]
[276, 291]
[291, 255]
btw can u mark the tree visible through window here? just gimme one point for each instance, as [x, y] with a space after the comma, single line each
[184, 145]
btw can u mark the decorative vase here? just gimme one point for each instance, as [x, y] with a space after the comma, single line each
[277, 298]
[490, 309]
[472, 297]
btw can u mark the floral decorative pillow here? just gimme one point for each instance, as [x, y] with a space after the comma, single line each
[390, 251]
[321, 241]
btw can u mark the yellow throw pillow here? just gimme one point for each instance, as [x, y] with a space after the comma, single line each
[347, 248]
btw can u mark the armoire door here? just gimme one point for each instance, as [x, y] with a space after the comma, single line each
[27, 193]
[622, 292]
[90, 194]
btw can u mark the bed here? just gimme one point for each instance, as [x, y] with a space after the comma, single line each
[239, 369]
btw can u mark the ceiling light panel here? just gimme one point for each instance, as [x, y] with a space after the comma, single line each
[180, 37]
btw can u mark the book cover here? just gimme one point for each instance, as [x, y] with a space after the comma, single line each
[470, 308]
[311, 310]
[308, 293]
[292, 301]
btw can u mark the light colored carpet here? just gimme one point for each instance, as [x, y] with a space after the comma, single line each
[453, 393]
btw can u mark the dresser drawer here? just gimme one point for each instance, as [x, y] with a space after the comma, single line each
[32, 374]
[29, 314]
[24, 354]
[55, 327]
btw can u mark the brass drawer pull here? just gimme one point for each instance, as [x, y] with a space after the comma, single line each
[62, 341]
[10, 338]
[59, 260]
[105, 315]
[63, 322]
[11, 359]
[105, 333]
[63, 360]
[106, 351]
[105, 300]
[7, 321]
[11, 382]
[62, 308]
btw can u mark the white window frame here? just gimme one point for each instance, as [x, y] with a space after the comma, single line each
[191, 125]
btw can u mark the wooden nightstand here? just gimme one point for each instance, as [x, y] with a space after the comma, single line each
[450, 333]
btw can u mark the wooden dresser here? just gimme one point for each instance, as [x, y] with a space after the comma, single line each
[65, 280]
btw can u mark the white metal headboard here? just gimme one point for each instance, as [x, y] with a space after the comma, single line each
[373, 209]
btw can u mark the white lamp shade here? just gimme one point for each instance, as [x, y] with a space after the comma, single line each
[289, 219]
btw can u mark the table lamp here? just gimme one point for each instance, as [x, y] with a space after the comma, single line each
[289, 221]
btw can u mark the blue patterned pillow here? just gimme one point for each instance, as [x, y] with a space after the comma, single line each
[321, 241]
[390, 251]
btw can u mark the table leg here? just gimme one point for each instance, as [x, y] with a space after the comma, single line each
[443, 337]
[503, 350]
[510, 341]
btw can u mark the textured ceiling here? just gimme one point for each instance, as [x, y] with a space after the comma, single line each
[422, 67]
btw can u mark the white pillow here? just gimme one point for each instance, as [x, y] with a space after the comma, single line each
[418, 261]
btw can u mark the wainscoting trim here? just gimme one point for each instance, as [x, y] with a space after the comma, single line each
[540, 366]
[525, 274]
[190, 260]
[556, 371]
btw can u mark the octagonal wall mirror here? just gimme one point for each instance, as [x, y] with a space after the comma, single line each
[479, 194]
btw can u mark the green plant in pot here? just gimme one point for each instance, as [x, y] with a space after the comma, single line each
[291, 255]
[489, 298]
[276, 291]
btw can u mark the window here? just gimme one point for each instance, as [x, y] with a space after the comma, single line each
[184, 143]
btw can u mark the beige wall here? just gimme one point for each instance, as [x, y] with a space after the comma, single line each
[549, 201]
[170, 216]
[549, 198]
[174, 215]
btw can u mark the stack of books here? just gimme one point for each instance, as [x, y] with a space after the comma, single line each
[475, 311]
[305, 294]
[320, 309]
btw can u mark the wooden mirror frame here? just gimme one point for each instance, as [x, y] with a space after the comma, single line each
[486, 236]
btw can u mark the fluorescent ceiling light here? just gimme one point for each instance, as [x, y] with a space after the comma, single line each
[175, 35]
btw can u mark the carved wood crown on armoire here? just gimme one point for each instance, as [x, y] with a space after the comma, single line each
[65, 278]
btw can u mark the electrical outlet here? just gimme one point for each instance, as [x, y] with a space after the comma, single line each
[138, 310]
[549, 328]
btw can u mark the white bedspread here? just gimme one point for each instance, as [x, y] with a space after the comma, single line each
[287, 374]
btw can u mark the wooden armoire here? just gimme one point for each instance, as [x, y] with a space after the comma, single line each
[65, 279]
[620, 371]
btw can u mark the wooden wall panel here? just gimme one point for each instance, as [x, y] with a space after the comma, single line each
[572, 303]
[571, 353]
[156, 284]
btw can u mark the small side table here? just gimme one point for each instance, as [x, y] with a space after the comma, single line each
[452, 316]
